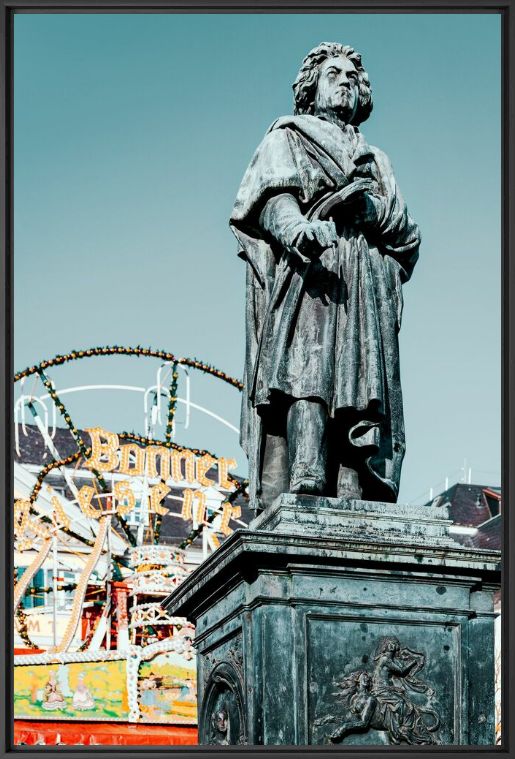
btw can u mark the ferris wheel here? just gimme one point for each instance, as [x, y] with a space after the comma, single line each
[117, 490]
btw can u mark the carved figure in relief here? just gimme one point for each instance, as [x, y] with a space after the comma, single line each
[382, 700]
[328, 243]
[220, 727]
[222, 718]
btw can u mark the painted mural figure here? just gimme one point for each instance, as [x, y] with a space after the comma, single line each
[382, 700]
[328, 243]
[53, 699]
[82, 698]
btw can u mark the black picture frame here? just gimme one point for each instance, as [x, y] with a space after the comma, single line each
[506, 8]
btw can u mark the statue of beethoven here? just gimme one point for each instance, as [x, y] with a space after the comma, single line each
[328, 243]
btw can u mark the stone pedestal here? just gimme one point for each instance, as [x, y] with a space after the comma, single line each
[344, 621]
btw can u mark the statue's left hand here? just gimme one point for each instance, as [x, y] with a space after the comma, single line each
[315, 236]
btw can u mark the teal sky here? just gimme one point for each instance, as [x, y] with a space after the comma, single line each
[132, 133]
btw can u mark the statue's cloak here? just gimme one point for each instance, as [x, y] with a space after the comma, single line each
[327, 329]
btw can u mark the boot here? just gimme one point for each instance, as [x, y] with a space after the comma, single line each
[307, 447]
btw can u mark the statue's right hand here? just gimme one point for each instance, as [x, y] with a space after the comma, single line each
[315, 236]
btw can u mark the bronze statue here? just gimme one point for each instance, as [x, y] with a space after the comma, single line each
[328, 243]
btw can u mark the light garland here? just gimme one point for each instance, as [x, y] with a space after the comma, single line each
[63, 411]
[118, 350]
[225, 480]
[172, 403]
[61, 408]
[55, 464]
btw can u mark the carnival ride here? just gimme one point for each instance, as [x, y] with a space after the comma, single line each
[108, 523]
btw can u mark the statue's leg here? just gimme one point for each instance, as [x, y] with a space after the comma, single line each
[340, 733]
[274, 472]
[307, 446]
[274, 476]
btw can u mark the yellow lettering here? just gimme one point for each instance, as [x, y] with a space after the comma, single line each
[125, 459]
[103, 454]
[188, 512]
[223, 467]
[38, 528]
[24, 523]
[21, 515]
[204, 464]
[187, 503]
[85, 496]
[157, 493]
[60, 516]
[236, 512]
[123, 492]
[153, 451]
[200, 512]
[189, 466]
[213, 540]
[226, 517]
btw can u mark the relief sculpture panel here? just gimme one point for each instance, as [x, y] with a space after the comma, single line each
[222, 719]
[381, 698]
[377, 688]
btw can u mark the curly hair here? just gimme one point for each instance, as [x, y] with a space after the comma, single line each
[350, 684]
[305, 85]
[384, 643]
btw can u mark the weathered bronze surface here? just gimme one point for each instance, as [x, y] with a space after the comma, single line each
[312, 629]
[328, 243]
[339, 615]
[384, 699]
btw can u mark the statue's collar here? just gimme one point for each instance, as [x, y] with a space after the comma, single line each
[312, 125]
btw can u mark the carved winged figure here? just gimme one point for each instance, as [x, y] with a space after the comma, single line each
[381, 700]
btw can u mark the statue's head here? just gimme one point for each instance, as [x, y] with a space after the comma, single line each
[332, 78]
[388, 645]
[365, 681]
[358, 680]
[220, 720]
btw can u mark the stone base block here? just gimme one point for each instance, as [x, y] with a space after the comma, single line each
[344, 622]
[365, 521]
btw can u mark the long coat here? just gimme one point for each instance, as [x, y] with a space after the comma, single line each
[328, 328]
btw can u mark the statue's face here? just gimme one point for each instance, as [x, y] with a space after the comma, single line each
[221, 721]
[364, 681]
[337, 88]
